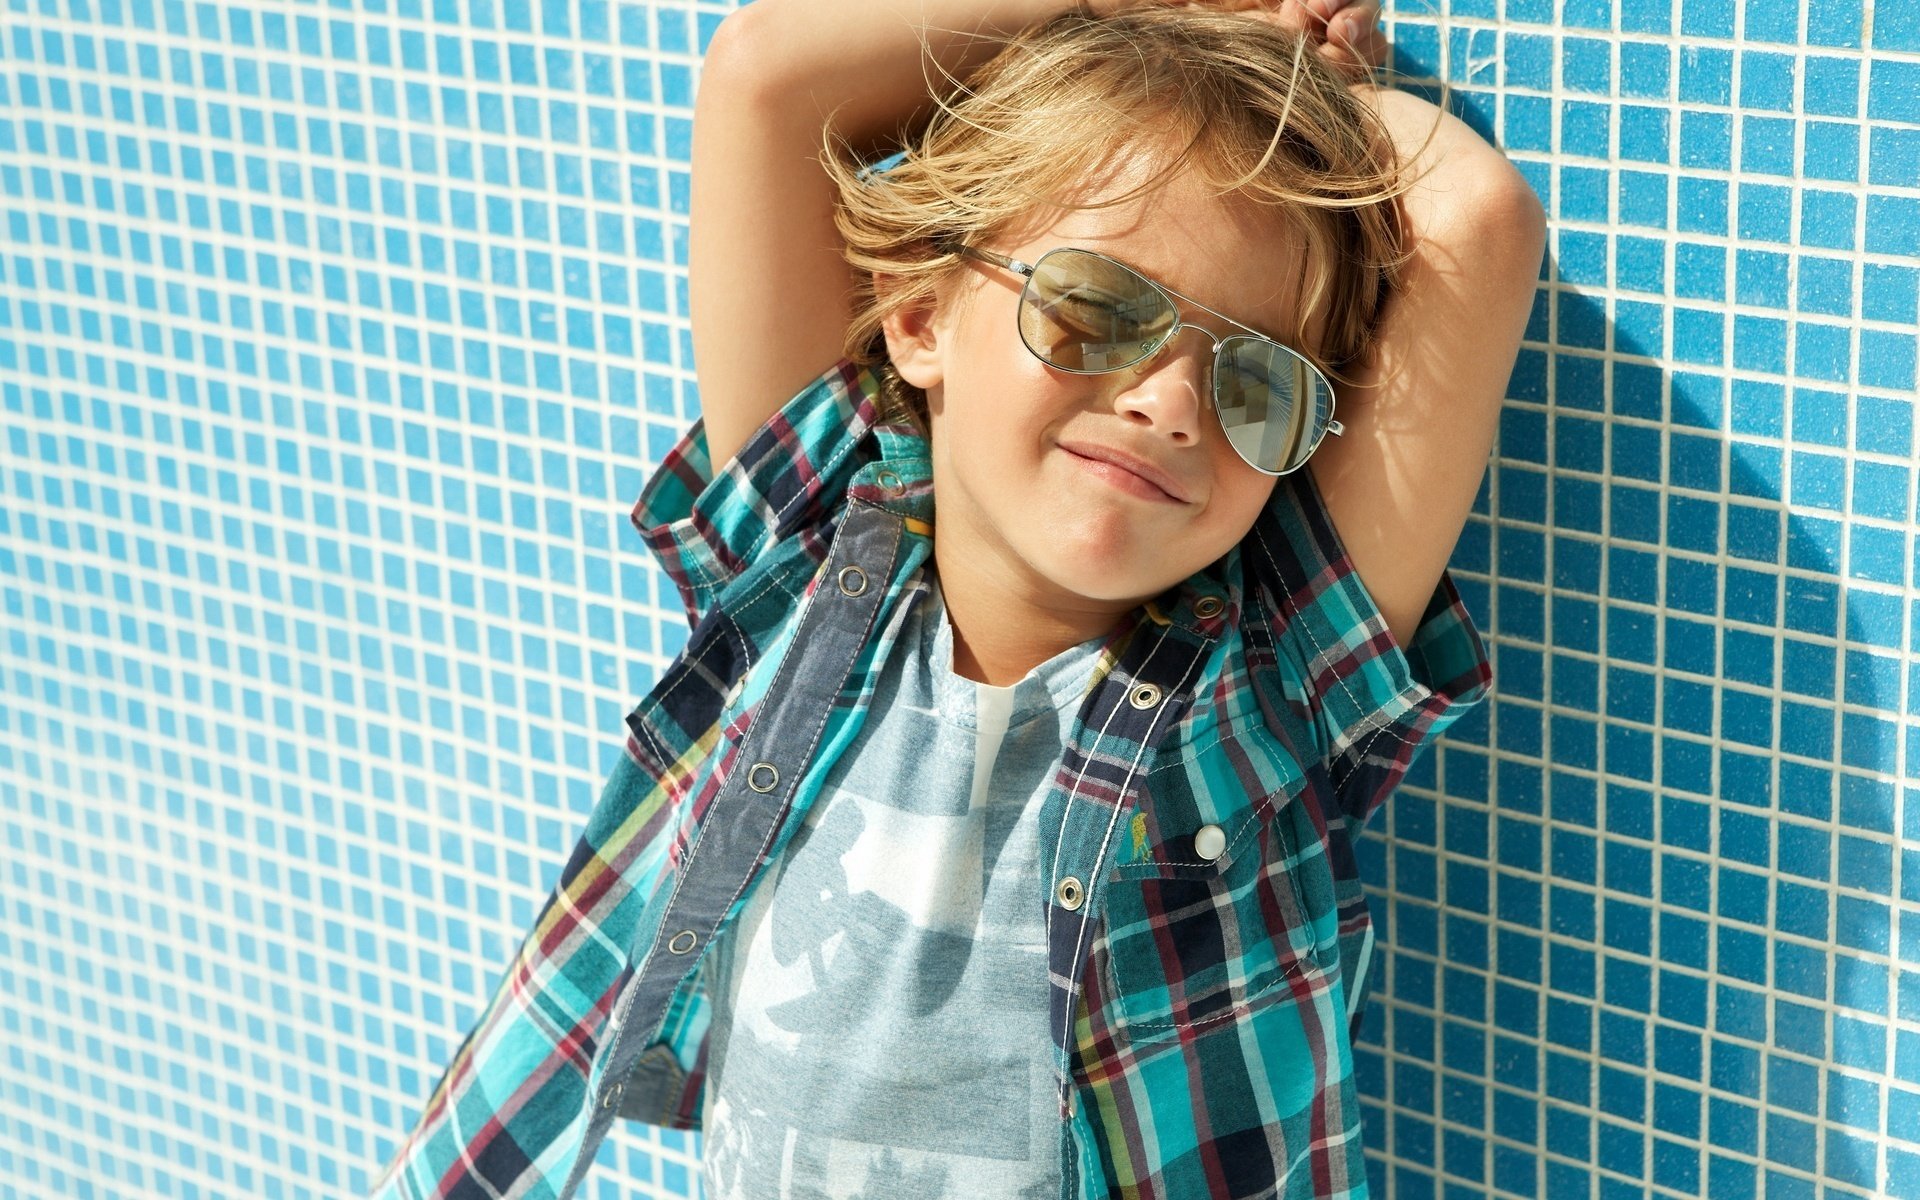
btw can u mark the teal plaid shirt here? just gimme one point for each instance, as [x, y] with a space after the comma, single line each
[1203, 1007]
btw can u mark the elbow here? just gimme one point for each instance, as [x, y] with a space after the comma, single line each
[1512, 238]
[1513, 222]
[737, 67]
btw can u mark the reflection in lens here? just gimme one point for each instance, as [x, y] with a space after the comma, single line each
[1083, 312]
[1273, 404]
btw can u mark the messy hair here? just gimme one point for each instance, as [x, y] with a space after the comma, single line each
[1249, 106]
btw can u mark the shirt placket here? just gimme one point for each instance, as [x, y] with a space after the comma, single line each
[745, 819]
[1121, 724]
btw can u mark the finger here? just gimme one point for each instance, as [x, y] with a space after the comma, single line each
[1323, 12]
[1294, 15]
[1355, 33]
[1370, 45]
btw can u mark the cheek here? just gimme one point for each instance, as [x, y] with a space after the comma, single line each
[1009, 399]
[1241, 493]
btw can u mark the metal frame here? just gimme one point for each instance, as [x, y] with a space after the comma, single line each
[1026, 272]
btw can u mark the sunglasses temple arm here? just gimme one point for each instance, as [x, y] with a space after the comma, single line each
[988, 256]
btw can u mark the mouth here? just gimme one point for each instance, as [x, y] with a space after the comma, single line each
[1124, 480]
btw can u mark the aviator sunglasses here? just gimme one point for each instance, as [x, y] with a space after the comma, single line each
[1085, 312]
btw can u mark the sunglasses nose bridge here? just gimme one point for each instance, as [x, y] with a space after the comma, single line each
[1214, 340]
[1160, 348]
[1181, 325]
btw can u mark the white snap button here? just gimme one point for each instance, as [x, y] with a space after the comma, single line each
[611, 1096]
[890, 482]
[678, 946]
[763, 782]
[1144, 696]
[853, 580]
[1069, 893]
[1209, 842]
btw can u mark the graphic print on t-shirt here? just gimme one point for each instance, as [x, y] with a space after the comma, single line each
[879, 1008]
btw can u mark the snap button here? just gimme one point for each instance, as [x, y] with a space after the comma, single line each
[772, 777]
[1208, 606]
[859, 583]
[1209, 842]
[1144, 696]
[1069, 893]
[893, 488]
[611, 1097]
[677, 947]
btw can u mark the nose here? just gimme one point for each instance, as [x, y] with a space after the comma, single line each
[1169, 390]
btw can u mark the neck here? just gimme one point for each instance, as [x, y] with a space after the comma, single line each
[1001, 631]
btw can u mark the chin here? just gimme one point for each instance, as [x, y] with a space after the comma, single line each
[1103, 583]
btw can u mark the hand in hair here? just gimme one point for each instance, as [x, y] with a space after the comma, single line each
[1345, 32]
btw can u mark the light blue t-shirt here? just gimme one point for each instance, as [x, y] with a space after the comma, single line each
[879, 1012]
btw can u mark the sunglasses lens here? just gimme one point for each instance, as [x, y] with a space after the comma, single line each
[1274, 404]
[1082, 312]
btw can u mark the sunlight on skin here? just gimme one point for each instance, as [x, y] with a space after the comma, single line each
[1035, 551]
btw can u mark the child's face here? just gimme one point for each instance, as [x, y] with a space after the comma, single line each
[1030, 516]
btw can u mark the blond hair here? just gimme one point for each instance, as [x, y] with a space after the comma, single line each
[1256, 112]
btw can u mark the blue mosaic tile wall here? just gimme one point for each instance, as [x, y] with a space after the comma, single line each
[336, 341]
[1656, 930]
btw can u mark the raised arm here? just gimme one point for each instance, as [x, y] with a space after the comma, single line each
[769, 291]
[1420, 426]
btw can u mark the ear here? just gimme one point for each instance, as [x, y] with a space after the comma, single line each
[913, 341]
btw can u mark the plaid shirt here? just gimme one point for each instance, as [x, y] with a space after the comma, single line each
[1202, 1007]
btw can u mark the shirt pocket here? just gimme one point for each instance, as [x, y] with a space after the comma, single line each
[1192, 943]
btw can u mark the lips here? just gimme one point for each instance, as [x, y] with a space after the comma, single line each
[1154, 475]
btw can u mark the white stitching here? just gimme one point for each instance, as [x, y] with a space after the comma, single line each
[841, 388]
[1306, 966]
[653, 744]
[726, 615]
[1374, 725]
[1360, 752]
[806, 758]
[680, 875]
[1296, 968]
[1080, 944]
[1263, 808]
